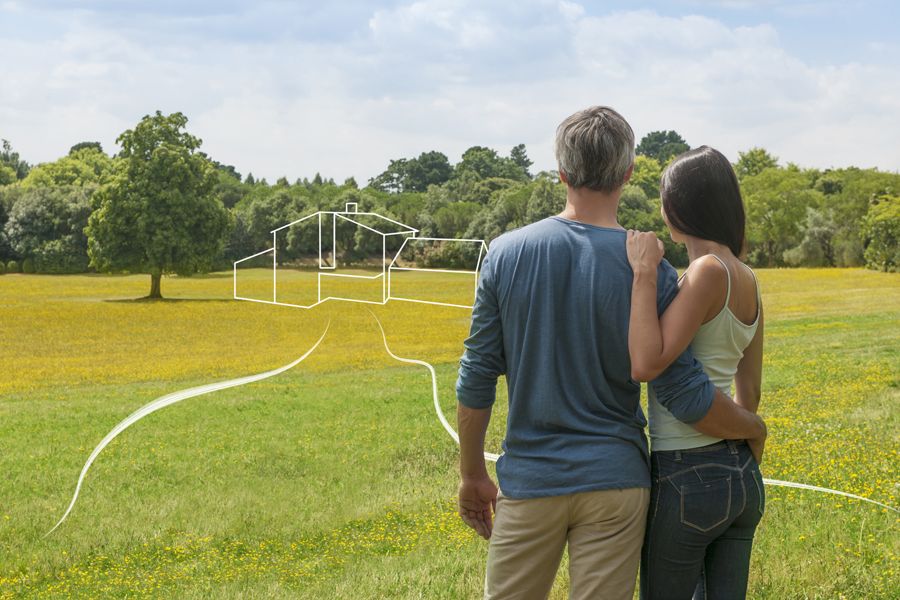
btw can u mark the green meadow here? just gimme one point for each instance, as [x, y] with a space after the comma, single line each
[336, 480]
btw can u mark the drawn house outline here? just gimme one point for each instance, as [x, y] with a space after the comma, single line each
[377, 224]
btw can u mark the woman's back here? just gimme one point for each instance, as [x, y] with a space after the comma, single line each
[719, 345]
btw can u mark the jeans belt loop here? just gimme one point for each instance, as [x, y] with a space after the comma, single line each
[732, 446]
[678, 455]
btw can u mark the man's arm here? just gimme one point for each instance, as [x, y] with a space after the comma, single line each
[727, 420]
[476, 389]
[477, 492]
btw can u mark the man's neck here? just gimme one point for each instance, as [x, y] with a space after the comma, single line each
[592, 207]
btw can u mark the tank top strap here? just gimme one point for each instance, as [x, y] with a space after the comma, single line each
[758, 291]
[728, 274]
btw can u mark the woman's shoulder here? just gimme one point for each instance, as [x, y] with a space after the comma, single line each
[708, 271]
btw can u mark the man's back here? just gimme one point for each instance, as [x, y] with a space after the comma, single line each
[552, 313]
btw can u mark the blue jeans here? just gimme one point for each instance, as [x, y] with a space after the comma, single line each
[705, 504]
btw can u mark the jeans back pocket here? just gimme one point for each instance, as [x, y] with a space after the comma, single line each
[706, 505]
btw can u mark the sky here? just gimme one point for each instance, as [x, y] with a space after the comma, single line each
[282, 88]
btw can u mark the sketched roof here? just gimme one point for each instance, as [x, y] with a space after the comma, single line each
[371, 221]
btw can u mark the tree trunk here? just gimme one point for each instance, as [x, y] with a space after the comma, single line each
[155, 292]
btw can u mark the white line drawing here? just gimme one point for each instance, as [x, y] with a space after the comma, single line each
[376, 224]
[434, 389]
[490, 456]
[168, 400]
[178, 396]
[815, 488]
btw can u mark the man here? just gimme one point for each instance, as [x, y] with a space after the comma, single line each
[551, 313]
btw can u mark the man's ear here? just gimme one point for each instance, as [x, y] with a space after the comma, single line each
[562, 177]
[628, 174]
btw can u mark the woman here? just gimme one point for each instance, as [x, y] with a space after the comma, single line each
[707, 496]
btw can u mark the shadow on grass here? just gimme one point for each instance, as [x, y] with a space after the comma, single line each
[148, 300]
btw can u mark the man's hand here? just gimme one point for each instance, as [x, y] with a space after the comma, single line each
[477, 501]
[645, 250]
[758, 444]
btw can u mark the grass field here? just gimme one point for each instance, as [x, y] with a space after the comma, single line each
[335, 479]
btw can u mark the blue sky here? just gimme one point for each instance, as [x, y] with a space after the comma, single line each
[291, 88]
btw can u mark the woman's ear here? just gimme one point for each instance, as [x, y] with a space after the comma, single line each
[562, 177]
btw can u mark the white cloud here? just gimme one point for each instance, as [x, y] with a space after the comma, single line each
[444, 75]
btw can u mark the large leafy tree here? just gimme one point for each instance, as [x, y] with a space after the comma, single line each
[159, 214]
[46, 224]
[662, 145]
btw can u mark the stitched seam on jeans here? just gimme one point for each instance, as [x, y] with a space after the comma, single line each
[698, 528]
[743, 495]
[760, 493]
[683, 471]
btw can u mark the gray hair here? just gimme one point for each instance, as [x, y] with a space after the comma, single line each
[595, 149]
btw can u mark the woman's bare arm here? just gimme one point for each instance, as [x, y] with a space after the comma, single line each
[653, 343]
[748, 379]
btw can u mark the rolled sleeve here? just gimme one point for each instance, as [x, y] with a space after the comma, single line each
[683, 388]
[483, 360]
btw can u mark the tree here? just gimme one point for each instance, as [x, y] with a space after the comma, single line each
[662, 145]
[637, 211]
[47, 225]
[849, 194]
[520, 158]
[486, 163]
[85, 166]
[429, 168]
[7, 174]
[776, 201]
[507, 209]
[391, 179]
[452, 220]
[817, 247]
[646, 175]
[753, 162]
[8, 198]
[228, 190]
[413, 174]
[86, 146]
[881, 228]
[547, 198]
[159, 214]
[12, 160]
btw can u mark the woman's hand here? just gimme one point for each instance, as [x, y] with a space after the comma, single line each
[758, 444]
[645, 250]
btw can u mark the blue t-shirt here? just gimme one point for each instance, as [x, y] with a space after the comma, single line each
[551, 313]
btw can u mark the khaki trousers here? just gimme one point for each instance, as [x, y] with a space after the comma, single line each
[604, 530]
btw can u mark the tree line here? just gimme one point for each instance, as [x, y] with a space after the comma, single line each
[161, 205]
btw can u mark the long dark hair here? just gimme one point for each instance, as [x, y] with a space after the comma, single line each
[701, 197]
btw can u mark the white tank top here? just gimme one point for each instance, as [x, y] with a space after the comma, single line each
[719, 346]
